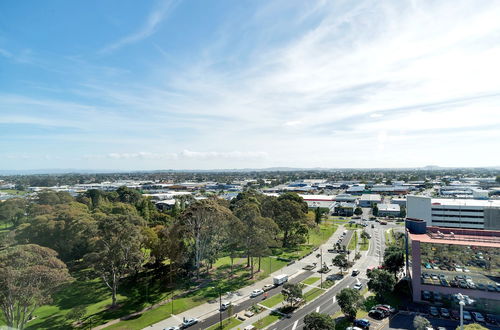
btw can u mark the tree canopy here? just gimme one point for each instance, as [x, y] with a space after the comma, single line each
[318, 321]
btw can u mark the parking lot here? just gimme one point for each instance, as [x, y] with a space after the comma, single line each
[404, 320]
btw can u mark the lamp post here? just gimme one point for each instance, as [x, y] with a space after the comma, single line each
[462, 300]
[220, 306]
[321, 263]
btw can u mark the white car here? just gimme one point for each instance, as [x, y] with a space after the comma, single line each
[358, 286]
[467, 316]
[353, 328]
[256, 292]
[189, 322]
[225, 305]
[172, 328]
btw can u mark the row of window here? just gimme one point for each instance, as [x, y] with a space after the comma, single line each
[457, 210]
[437, 222]
[458, 216]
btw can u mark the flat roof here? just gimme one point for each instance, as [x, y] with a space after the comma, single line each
[370, 197]
[466, 202]
[389, 207]
[467, 240]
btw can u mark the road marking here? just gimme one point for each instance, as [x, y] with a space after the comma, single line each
[317, 309]
[295, 325]
[333, 299]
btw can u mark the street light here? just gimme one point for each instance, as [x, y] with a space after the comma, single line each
[462, 300]
[220, 306]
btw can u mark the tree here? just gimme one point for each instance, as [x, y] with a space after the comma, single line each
[394, 259]
[292, 293]
[29, 276]
[13, 211]
[358, 211]
[318, 321]
[375, 210]
[117, 250]
[349, 300]
[317, 215]
[77, 313]
[421, 323]
[381, 282]
[402, 212]
[204, 225]
[473, 326]
[289, 212]
[340, 261]
[364, 234]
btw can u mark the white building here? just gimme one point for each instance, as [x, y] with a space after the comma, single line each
[455, 213]
[389, 210]
[314, 201]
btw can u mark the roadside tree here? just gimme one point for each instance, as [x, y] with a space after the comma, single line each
[292, 293]
[381, 282]
[349, 301]
[341, 261]
[318, 321]
[421, 323]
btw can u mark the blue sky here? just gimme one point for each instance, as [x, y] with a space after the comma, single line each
[234, 84]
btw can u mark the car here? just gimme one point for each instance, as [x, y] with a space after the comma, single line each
[463, 284]
[491, 319]
[491, 287]
[434, 277]
[433, 311]
[459, 278]
[444, 312]
[389, 308]
[426, 295]
[444, 282]
[249, 327]
[426, 276]
[355, 272]
[268, 287]
[334, 277]
[481, 286]
[256, 292]
[332, 250]
[358, 286]
[455, 315]
[362, 323]
[471, 285]
[478, 317]
[225, 305]
[441, 276]
[189, 322]
[453, 283]
[172, 328]
[353, 328]
[437, 296]
[384, 310]
[376, 314]
[467, 316]
[309, 267]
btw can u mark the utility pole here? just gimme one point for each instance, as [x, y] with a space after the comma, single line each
[321, 253]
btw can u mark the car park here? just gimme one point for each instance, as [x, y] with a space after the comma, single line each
[444, 312]
[478, 317]
[189, 322]
[256, 292]
[362, 323]
[433, 311]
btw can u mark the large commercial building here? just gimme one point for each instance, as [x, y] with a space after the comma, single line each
[455, 213]
[443, 262]
[389, 210]
[368, 200]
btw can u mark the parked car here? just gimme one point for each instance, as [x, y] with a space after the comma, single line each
[444, 282]
[391, 309]
[172, 328]
[268, 287]
[249, 327]
[334, 277]
[358, 286]
[426, 295]
[467, 316]
[434, 277]
[444, 312]
[481, 286]
[310, 267]
[362, 323]
[426, 276]
[437, 296]
[377, 314]
[256, 292]
[491, 287]
[455, 315]
[189, 322]
[384, 310]
[355, 272]
[441, 276]
[491, 319]
[225, 305]
[433, 311]
[478, 317]
[463, 284]
[353, 328]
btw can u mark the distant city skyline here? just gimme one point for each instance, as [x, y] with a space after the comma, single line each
[153, 85]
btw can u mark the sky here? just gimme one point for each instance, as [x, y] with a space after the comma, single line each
[221, 84]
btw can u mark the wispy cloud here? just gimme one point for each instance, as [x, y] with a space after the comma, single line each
[148, 28]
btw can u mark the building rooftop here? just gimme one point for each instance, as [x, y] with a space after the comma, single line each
[370, 197]
[466, 202]
[457, 236]
[389, 207]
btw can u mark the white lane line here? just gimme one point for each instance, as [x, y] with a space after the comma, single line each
[295, 325]
[317, 309]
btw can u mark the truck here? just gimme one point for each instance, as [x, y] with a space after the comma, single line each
[280, 279]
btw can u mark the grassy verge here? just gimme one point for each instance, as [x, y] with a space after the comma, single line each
[273, 301]
[226, 324]
[327, 284]
[353, 242]
[310, 280]
[389, 237]
[364, 244]
[313, 294]
[265, 321]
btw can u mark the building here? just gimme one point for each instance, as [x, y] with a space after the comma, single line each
[389, 210]
[346, 198]
[368, 200]
[343, 209]
[455, 213]
[444, 262]
[314, 201]
[399, 200]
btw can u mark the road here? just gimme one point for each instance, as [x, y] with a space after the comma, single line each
[214, 319]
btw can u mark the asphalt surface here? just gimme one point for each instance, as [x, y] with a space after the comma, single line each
[214, 319]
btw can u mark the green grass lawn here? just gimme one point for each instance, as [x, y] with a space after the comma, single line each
[265, 321]
[353, 242]
[364, 244]
[310, 280]
[13, 192]
[313, 294]
[273, 301]
[389, 237]
[327, 284]
[227, 324]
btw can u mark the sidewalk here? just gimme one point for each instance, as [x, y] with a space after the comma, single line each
[208, 309]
